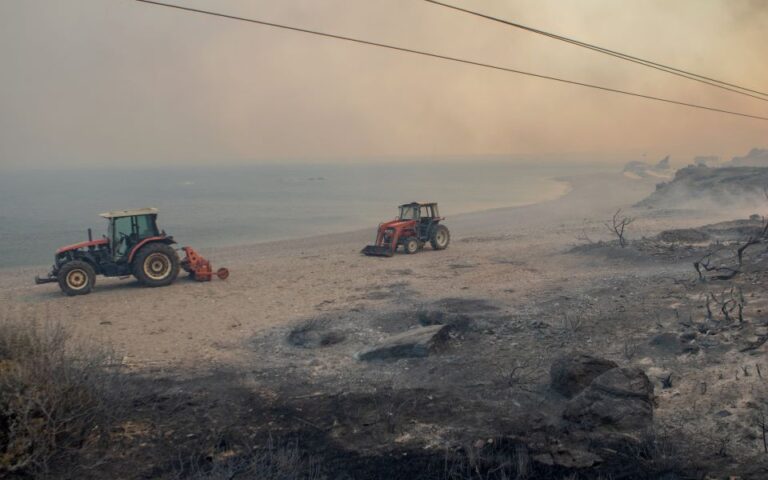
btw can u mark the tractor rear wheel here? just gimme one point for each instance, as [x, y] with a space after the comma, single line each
[411, 245]
[440, 237]
[156, 265]
[76, 278]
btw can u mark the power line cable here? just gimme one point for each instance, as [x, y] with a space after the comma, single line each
[648, 63]
[452, 59]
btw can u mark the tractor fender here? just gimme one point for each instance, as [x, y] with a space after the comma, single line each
[159, 239]
[90, 261]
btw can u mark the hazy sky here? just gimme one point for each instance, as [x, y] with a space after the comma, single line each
[114, 82]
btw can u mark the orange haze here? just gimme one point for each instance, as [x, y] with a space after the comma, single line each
[105, 82]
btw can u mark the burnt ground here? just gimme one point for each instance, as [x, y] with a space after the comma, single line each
[481, 406]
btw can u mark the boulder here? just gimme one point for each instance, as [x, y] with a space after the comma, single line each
[619, 399]
[418, 342]
[571, 374]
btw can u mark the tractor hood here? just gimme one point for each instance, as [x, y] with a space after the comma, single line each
[396, 224]
[75, 246]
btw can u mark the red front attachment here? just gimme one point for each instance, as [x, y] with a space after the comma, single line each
[199, 268]
[388, 236]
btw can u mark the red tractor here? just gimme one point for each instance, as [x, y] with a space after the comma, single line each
[417, 224]
[134, 246]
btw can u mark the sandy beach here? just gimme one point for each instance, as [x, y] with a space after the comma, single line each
[502, 254]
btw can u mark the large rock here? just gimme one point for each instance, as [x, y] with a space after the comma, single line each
[619, 399]
[571, 374]
[418, 342]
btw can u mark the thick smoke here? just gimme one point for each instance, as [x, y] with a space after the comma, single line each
[88, 82]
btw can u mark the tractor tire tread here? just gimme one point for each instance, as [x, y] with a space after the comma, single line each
[408, 243]
[72, 265]
[433, 237]
[138, 264]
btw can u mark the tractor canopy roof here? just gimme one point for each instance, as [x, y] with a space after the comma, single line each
[418, 204]
[129, 213]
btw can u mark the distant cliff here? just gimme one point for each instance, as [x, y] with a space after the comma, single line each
[757, 157]
[700, 185]
[643, 169]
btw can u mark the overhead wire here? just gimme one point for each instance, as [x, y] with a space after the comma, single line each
[623, 56]
[449, 58]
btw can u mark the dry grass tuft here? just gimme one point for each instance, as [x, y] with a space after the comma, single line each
[56, 397]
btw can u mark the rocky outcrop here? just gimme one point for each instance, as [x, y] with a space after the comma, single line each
[619, 399]
[706, 160]
[694, 185]
[757, 157]
[571, 374]
[643, 169]
[418, 342]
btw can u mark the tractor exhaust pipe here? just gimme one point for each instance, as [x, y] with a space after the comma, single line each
[90, 235]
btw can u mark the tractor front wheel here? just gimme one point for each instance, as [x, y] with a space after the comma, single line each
[156, 265]
[411, 245]
[440, 237]
[76, 278]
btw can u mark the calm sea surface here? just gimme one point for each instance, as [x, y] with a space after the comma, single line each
[204, 207]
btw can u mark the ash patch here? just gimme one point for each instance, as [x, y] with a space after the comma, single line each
[324, 351]
[729, 231]
[315, 333]
[675, 245]
[637, 252]
[399, 271]
[459, 266]
[493, 238]
[466, 305]
[393, 291]
[684, 235]
[489, 382]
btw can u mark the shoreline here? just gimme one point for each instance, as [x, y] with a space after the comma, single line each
[565, 185]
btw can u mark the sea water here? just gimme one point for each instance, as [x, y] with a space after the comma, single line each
[41, 210]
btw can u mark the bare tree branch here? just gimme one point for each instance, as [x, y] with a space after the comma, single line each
[618, 225]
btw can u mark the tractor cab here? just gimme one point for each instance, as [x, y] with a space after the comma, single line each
[424, 214]
[418, 211]
[129, 228]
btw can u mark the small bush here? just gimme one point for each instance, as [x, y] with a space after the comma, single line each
[55, 397]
